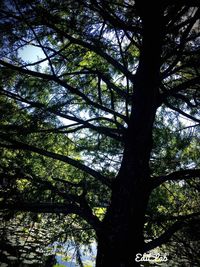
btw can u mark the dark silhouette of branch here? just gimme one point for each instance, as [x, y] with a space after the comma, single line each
[174, 228]
[184, 39]
[77, 164]
[176, 176]
[109, 16]
[181, 87]
[164, 218]
[56, 79]
[27, 71]
[181, 112]
[95, 48]
[165, 237]
[41, 207]
[70, 128]
[186, 100]
[57, 208]
[108, 131]
[76, 204]
[111, 85]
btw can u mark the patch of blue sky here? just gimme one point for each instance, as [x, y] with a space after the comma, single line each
[32, 54]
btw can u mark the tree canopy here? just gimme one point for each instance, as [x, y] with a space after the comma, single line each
[104, 117]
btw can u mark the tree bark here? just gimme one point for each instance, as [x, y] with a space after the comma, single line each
[121, 236]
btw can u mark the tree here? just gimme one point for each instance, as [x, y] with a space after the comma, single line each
[119, 78]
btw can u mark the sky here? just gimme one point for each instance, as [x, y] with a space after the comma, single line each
[30, 53]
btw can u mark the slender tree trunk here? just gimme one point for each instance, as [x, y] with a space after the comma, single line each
[121, 237]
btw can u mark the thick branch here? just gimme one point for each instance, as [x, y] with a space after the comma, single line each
[19, 145]
[108, 131]
[164, 218]
[26, 71]
[70, 128]
[175, 176]
[186, 100]
[181, 87]
[110, 84]
[181, 112]
[56, 208]
[54, 78]
[165, 237]
[41, 207]
[74, 203]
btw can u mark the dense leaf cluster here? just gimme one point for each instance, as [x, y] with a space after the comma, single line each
[67, 107]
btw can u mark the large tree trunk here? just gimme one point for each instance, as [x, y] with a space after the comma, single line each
[121, 237]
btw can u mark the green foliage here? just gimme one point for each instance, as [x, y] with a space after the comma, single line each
[64, 124]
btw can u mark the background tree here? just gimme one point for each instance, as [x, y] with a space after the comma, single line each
[118, 75]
